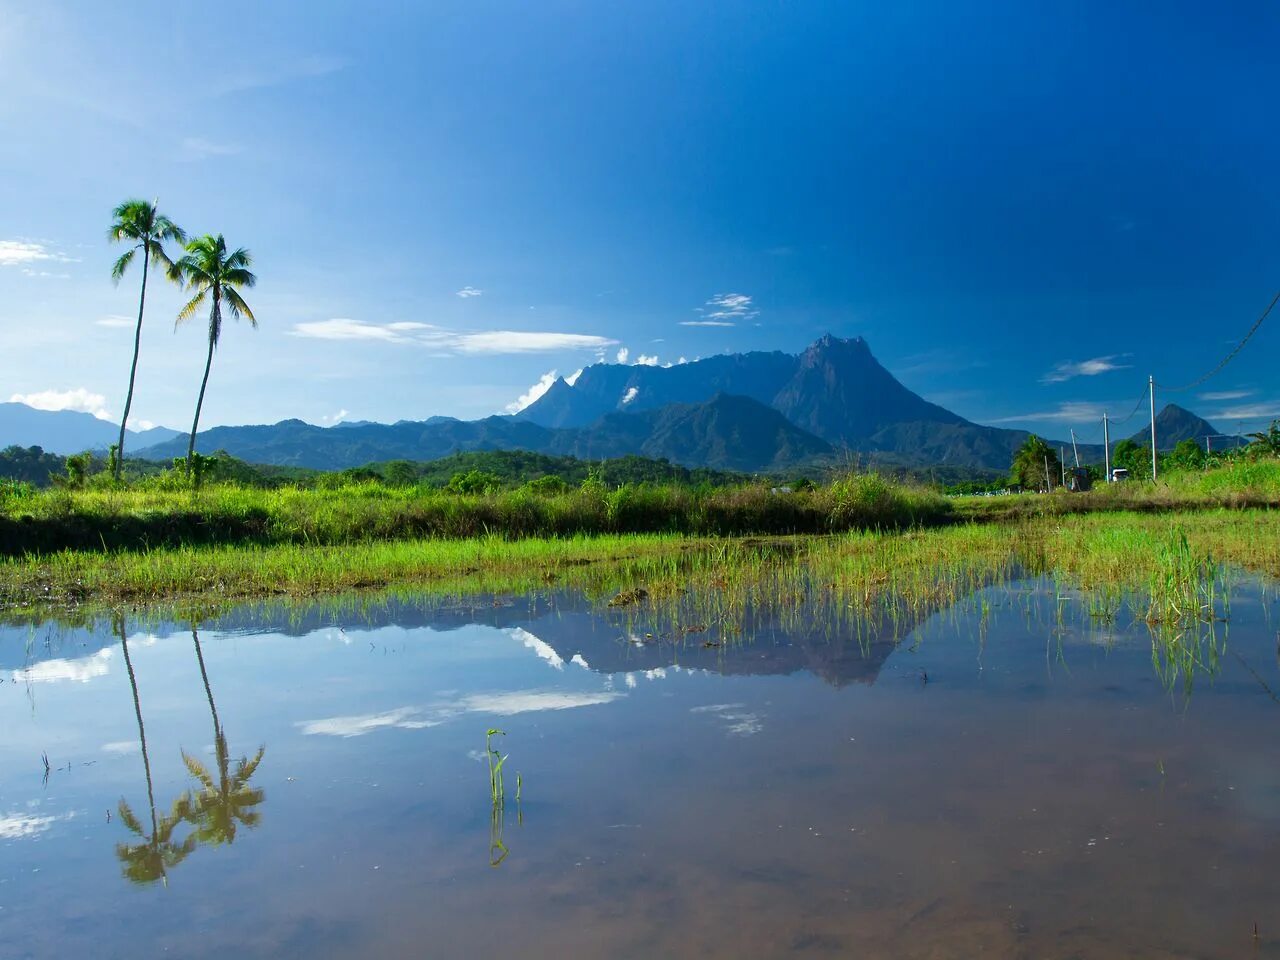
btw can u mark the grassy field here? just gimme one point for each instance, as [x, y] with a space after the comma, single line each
[151, 518]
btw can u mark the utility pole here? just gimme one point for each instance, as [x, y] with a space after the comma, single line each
[1151, 386]
[1106, 448]
[1062, 462]
[1208, 445]
[1048, 484]
[1075, 451]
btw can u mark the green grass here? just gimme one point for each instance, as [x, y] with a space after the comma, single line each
[146, 519]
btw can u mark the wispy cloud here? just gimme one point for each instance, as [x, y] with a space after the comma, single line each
[418, 718]
[1073, 411]
[116, 320]
[737, 720]
[489, 342]
[77, 399]
[335, 418]
[79, 670]
[469, 291]
[14, 826]
[195, 149]
[1085, 368]
[534, 393]
[1225, 395]
[1248, 411]
[24, 253]
[724, 310]
[631, 394]
[278, 72]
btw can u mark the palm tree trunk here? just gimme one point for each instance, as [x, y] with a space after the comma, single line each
[208, 691]
[133, 370]
[142, 733]
[195, 424]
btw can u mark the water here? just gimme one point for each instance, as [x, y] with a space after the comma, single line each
[1043, 793]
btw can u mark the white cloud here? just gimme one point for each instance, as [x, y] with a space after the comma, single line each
[519, 341]
[1070, 412]
[572, 378]
[22, 252]
[1226, 395]
[737, 720]
[116, 320]
[630, 395]
[194, 149]
[342, 328]
[623, 354]
[276, 72]
[1085, 368]
[17, 825]
[122, 746]
[335, 418]
[469, 291]
[724, 310]
[449, 341]
[78, 399]
[533, 393]
[405, 718]
[646, 361]
[1249, 411]
[80, 670]
[415, 718]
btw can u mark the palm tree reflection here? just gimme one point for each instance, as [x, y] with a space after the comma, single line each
[149, 861]
[223, 802]
[226, 802]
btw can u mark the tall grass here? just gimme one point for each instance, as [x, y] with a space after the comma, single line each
[370, 512]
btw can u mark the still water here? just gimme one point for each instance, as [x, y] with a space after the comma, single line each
[1008, 778]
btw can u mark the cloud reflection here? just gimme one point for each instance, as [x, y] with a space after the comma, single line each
[81, 670]
[417, 718]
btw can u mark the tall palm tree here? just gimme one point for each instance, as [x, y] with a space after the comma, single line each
[139, 223]
[229, 800]
[216, 275]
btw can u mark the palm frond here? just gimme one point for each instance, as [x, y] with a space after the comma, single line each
[130, 820]
[237, 306]
[121, 265]
[238, 259]
[197, 770]
[187, 312]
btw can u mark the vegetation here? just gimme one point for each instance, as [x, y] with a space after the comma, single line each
[1035, 465]
[139, 223]
[216, 275]
[158, 515]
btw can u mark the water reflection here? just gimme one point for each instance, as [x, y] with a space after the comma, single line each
[223, 800]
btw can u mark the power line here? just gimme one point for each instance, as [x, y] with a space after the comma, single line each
[1230, 356]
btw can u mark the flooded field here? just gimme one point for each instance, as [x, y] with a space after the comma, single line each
[1020, 775]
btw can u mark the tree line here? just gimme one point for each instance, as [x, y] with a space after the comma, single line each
[206, 269]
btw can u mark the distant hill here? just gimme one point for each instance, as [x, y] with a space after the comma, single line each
[1173, 425]
[68, 431]
[831, 405]
[724, 433]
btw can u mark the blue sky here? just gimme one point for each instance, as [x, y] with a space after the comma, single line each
[1024, 208]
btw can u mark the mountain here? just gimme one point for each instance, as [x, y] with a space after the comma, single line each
[752, 412]
[835, 390]
[725, 433]
[605, 388]
[1173, 425]
[68, 431]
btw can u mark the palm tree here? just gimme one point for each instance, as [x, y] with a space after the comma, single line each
[142, 225]
[227, 801]
[216, 275]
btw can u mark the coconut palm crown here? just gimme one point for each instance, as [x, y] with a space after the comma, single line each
[144, 228]
[216, 275]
